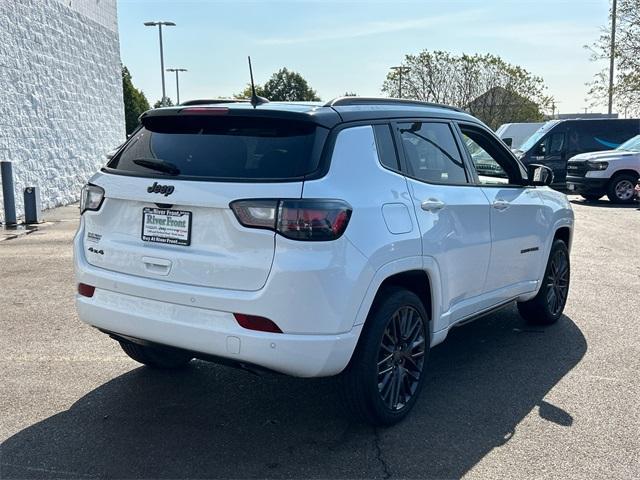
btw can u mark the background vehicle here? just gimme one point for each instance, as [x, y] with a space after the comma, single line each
[558, 140]
[315, 240]
[515, 134]
[612, 172]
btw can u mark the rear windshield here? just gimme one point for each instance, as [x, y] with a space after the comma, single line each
[226, 148]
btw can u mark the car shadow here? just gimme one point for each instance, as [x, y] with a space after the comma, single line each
[209, 421]
[605, 204]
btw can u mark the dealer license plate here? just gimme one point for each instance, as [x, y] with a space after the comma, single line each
[161, 225]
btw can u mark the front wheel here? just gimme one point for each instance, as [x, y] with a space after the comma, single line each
[547, 306]
[621, 188]
[387, 371]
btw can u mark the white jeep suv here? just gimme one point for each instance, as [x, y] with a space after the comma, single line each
[315, 240]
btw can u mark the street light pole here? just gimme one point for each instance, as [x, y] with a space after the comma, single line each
[400, 70]
[159, 25]
[177, 70]
[613, 51]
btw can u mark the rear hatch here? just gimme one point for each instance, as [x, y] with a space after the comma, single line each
[166, 211]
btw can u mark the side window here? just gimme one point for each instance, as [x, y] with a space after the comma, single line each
[385, 146]
[554, 144]
[431, 153]
[492, 163]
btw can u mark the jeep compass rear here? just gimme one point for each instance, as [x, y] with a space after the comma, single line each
[316, 240]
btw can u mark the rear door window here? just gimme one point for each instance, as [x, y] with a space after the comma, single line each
[228, 148]
[431, 153]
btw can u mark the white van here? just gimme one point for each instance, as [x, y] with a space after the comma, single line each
[515, 134]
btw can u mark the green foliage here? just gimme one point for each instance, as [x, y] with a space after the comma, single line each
[246, 93]
[167, 103]
[135, 103]
[283, 86]
[626, 87]
[485, 85]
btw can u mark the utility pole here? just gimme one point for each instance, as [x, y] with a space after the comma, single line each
[613, 51]
[177, 70]
[400, 70]
[159, 25]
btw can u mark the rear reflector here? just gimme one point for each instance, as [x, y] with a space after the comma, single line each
[86, 290]
[260, 324]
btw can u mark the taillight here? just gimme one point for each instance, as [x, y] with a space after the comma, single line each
[253, 322]
[86, 290]
[91, 197]
[305, 219]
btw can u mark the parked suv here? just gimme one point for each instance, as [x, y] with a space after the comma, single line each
[612, 172]
[315, 240]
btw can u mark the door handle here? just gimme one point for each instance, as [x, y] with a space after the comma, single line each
[432, 205]
[500, 204]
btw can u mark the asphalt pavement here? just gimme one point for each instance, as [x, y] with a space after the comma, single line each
[502, 399]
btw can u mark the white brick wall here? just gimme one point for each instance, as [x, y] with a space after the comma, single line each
[60, 93]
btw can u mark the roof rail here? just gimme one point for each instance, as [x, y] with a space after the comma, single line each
[212, 101]
[351, 101]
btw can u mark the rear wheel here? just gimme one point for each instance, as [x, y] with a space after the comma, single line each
[156, 357]
[621, 188]
[387, 371]
[547, 306]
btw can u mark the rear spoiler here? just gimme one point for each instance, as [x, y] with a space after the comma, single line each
[324, 117]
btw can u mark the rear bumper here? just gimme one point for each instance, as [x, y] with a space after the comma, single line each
[216, 333]
[587, 185]
[320, 335]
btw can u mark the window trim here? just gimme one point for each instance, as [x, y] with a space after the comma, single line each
[515, 162]
[403, 160]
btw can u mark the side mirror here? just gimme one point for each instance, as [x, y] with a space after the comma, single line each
[508, 141]
[539, 174]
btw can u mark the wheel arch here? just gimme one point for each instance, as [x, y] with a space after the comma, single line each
[624, 171]
[565, 234]
[409, 273]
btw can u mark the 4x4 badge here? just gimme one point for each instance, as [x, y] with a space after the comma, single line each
[164, 189]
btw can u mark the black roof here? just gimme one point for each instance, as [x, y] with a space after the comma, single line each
[329, 114]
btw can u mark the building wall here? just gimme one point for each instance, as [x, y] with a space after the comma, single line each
[61, 104]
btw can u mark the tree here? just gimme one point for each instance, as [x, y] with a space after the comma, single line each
[485, 85]
[626, 87]
[135, 103]
[283, 86]
[167, 103]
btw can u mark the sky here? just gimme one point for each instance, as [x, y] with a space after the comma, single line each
[348, 46]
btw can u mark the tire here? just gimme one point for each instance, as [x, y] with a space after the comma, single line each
[591, 197]
[547, 306]
[369, 389]
[621, 188]
[165, 358]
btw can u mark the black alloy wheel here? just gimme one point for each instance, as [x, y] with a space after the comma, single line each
[401, 357]
[557, 280]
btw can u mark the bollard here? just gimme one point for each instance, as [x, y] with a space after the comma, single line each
[32, 211]
[8, 195]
